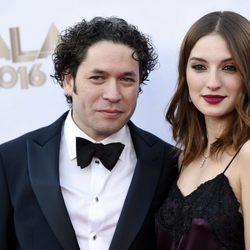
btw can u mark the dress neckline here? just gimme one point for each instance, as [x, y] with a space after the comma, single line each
[222, 176]
[200, 185]
[212, 179]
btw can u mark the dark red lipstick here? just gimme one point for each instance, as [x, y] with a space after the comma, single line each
[213, 99]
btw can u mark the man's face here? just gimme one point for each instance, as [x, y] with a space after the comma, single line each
[106, 89]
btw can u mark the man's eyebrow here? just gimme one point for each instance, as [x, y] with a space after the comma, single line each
[97, 71]
[126, 73]
[130, 73]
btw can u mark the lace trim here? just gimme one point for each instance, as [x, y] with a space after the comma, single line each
[213, 201]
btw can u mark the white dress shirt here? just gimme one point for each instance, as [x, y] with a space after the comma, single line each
[94, 196]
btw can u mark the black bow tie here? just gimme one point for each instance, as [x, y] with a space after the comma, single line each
[108, 154]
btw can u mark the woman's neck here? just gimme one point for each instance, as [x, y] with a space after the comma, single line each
[214, 127]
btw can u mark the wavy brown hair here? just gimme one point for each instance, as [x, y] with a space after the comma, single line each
[188, 124]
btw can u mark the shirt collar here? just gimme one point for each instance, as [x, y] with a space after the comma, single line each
[71, 131]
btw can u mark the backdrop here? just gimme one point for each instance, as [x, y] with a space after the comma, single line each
[29, 98]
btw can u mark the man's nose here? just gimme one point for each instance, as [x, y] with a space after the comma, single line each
[111, 91]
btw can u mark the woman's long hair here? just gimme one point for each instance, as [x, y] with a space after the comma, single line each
[188, 124]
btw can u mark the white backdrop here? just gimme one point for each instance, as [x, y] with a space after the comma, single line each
[29, 98]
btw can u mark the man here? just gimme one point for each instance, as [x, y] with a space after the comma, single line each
[54, 198]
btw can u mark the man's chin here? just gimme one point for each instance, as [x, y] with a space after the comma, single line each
[107, 130]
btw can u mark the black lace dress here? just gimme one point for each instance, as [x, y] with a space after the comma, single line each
[206, 219]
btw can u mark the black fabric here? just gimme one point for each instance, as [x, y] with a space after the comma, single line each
[215, 202]
[108, 154]
[33, 214]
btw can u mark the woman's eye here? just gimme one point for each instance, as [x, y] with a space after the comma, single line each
[198, 67]
[230, 68]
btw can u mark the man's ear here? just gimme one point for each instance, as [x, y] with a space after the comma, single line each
[68, 84]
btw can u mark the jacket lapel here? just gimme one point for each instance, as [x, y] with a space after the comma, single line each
[141, 191]
[43, 163]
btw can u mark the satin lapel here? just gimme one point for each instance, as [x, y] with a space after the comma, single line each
[141, 191]
[43, 160]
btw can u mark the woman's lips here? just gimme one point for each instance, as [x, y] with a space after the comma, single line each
[213, 99]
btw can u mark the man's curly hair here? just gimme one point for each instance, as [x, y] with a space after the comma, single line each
[75, 41]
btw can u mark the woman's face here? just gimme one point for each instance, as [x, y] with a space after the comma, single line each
[213, 79]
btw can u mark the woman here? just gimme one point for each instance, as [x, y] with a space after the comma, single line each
[209, 206]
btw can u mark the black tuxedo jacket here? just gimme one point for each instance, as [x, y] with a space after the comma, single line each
[33, 215]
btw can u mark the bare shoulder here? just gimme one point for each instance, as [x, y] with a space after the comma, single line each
[244, 153]
[244, 161]
[244, 167]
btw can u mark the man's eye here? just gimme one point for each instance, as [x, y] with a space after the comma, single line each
[96, 77]
[127, 79]
[198, 67]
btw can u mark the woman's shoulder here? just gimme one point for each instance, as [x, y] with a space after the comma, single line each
[245, 151]
[244, 159]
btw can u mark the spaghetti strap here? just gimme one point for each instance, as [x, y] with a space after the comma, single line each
[231, 160]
